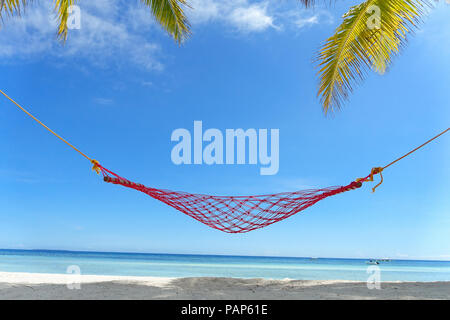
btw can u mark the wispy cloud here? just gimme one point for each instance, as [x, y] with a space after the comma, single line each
[107, 36]
[307, 18]
[247, 16]
[18, 176]
[147, 84]
[204, 11]
[304, 22]
[252, 18]
[113, 34]
[103, 101]
[242, 16]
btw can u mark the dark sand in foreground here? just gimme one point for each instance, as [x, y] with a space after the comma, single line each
[52, 286]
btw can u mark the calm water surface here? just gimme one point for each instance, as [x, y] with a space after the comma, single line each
[174, 265]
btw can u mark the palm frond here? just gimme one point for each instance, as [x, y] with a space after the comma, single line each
[62, 9]
[16, 7]
[360, 44]
[170, 14]
[12, 7]
[307, 3]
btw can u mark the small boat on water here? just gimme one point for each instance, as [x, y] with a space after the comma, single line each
[372, 262]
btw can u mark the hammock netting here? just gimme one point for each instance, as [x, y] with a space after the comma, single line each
[234, 214]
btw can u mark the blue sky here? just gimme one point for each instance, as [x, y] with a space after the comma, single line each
[120, 87]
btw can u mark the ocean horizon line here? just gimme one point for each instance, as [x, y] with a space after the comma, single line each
[210, 255]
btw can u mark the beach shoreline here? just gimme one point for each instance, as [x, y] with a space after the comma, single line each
[16, 285]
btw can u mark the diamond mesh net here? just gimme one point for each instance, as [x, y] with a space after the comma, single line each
[234, 214]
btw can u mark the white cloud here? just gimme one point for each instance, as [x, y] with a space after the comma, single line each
[115, 33]
[103, 101]
[306, 18]
[248, 16]
[242, 15]
[148, 84]
[307, 21]
[252, 18]
[106, 37]
[203, 11]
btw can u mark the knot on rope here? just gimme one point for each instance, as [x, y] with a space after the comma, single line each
[96, 166]
[354, 185]
[374, 171]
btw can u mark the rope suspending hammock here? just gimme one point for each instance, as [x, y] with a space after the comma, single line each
[234, 214]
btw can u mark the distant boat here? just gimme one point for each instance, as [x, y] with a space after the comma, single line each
[372, 262]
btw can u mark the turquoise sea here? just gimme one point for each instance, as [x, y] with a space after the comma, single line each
[178, 265]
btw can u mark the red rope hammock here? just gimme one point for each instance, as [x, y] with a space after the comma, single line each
[235, 214]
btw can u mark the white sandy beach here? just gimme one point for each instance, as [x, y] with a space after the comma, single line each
[54, 286]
